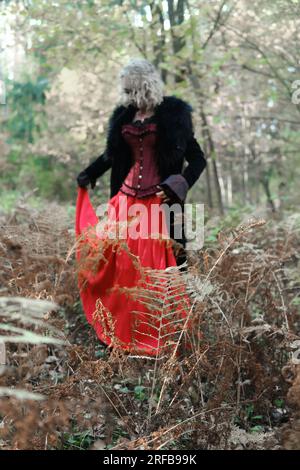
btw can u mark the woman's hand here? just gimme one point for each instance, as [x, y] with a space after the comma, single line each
[83, 180]
[163, 195]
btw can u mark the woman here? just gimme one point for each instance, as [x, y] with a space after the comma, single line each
[149, 136]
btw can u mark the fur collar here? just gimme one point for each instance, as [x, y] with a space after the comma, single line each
[171, 111]
[174, 128]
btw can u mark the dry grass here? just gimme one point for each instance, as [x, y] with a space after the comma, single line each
[230, 379]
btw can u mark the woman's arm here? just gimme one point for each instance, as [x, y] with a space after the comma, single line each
[99, 166]
[94, 170]
[176, 186]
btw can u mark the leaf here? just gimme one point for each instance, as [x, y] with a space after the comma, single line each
[27, 311]
[20, 394]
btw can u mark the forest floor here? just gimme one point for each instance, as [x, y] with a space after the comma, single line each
[237, 387]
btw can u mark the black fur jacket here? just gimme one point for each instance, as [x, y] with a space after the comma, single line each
[175, 143]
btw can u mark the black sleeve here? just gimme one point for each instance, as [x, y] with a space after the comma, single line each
[196, 161]
[176, 187]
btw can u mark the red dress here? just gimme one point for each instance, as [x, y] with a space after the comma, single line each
[124, 296]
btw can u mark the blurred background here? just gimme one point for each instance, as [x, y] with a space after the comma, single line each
[236, 62]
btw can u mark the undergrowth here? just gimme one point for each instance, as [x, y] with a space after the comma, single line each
[232, 383]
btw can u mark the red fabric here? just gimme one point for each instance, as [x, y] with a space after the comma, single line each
[119, 271]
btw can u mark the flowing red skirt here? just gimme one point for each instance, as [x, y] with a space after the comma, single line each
[124, 308]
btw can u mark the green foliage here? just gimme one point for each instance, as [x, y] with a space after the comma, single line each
[139, 392]
[279, 403]
[232, 218]
[78, 440]
[49, 176]
[26, 118]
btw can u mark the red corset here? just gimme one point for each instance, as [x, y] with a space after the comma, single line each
[143, 177]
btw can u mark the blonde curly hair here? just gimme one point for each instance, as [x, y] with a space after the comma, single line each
[141, 84]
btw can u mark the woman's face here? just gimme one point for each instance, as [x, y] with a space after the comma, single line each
[131, 95]
[128, 92]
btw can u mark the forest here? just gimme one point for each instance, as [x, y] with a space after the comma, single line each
[233, 380]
